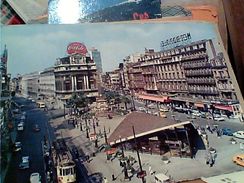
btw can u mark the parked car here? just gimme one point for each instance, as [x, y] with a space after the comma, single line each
[164, 109]
[219, 118]
[17, 146]
[239, 134]
[25, 163]
[36, 128]
[20, 126]
[35, 178]
[151, 106]
[239, 159]
[227, 131]
[196, 113]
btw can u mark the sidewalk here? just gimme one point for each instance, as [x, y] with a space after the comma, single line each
[178, 168]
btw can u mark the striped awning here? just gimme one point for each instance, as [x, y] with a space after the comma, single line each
[224, 107]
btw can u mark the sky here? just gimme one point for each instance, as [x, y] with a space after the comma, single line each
[36, 47]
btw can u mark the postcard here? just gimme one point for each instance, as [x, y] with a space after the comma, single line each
[108, 93]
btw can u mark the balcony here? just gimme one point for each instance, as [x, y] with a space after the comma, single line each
[196, 65]
[204, 92]
[150, 88]
[148, 73]
[226, 89]
[201, 81]
[199, 73]
[219, 77]
[194, 56]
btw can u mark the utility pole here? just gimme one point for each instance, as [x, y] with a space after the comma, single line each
[87, 133]
[124, 162]
[94, 128]
[105, 136]
[138, 155]
[64, 111]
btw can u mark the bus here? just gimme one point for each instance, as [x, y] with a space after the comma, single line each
[41, 104]
[63, 162]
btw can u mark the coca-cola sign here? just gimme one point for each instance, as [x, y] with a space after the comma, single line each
[76, 47]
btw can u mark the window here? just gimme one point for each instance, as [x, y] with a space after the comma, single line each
[60, 172]
[195, 47]
[201, 46]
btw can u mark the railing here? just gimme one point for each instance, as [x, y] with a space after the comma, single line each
[199, 73]
[201, 81]
[206, 92]
[196, 65]
[195, 56]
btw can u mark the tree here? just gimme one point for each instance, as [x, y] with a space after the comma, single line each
[126, 101]
[79, 100]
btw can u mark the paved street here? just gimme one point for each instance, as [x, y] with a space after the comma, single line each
[31, 144]
[179, 168]
[98, 167]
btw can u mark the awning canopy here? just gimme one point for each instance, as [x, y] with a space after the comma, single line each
[199, 105]
[224, 107]
[154, 98]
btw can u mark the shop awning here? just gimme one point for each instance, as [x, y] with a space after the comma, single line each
[199, 105]
[154, 98]
[111, 151]
[224, 107]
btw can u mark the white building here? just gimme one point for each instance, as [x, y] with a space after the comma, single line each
[47, 83]
[30, 85]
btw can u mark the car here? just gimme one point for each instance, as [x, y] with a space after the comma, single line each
[151, 106]
[191, 117]
[141, 109]
[239, 134]
[35, 178]
[20, 126]
[219, 119]
[227, 131]
[239, 159]
[164, 109]
[36, 128]
[196, 113]
[25, 163]
[17, 147]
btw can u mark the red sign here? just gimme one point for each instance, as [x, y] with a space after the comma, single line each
[76, 47]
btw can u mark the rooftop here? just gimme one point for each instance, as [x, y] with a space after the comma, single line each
[144, 124]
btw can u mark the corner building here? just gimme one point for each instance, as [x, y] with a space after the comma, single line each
[192, 70]
[75, 73]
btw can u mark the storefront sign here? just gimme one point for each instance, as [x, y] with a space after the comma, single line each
[76, 47]
[175, 40]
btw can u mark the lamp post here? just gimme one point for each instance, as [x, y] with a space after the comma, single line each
[64, 110]
[138, 155]
[87, 133]
[105, 135]
[124, 162]
[94, 128]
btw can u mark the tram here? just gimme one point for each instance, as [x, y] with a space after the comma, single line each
[64, 165]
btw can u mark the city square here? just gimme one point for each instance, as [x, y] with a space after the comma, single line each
[107, 109]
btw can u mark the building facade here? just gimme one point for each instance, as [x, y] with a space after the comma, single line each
[29, 85]
[96, 57]
[47, 83]
[75, 73]
[195, 74]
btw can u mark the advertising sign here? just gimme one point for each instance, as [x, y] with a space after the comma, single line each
[76, 47]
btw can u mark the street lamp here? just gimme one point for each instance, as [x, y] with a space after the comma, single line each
[142, 173]
[87, 133]
[64, 110]
[94, 128]
[123, 158]
[105, 136]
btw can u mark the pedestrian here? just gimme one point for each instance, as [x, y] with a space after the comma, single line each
[113, 177]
